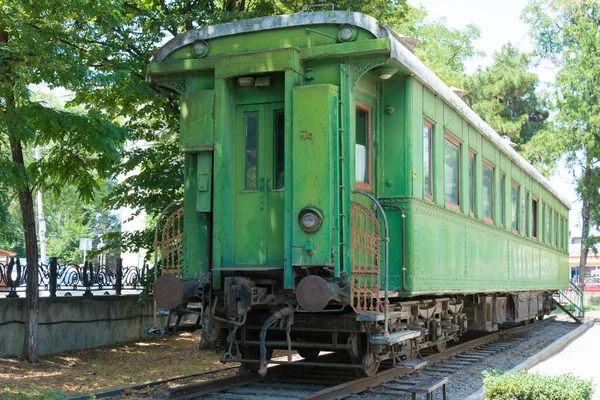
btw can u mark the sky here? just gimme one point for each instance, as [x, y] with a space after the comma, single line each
[499, 23]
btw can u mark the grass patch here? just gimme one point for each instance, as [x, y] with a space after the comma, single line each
[498, 385]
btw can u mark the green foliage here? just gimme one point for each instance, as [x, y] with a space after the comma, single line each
[68, 220]
[444, 50]
[529, 386]
[566, 33]
[504, 95]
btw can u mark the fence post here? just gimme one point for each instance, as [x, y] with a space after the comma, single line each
[53, 276]
[119, 282]
[88, 280]
[12, 294]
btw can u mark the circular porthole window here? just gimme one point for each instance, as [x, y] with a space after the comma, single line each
[347, 33]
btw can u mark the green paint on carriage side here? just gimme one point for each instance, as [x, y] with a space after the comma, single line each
[451, 251]
[446, 251]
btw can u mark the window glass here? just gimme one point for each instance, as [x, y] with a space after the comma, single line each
[561, 234]
[362, 136]
[427, 159]
[472, 182]
[451, 172]
[514, 199]
[488, 192]
[555, 229]
[251, 150]
[502, 197]
[547, 232]
[534, 218]
[278, 126]
[524, 214]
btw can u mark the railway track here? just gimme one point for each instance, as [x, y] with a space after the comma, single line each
[285, 382]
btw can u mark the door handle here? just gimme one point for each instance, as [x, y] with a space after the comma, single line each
[268, 184]
[262, 183]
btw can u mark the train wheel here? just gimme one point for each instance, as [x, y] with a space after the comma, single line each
[253, 353]
[309, 354]
[439, 348]
[366, 365]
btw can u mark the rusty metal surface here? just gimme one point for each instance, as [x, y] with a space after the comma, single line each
[313, 293]
[171, 245]
[365, 260]
[168, 291]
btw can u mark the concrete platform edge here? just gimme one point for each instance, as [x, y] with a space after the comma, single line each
[543, 355]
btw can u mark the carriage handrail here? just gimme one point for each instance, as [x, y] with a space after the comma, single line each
[386, 240]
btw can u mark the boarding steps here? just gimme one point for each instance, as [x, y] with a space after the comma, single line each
[571, 302]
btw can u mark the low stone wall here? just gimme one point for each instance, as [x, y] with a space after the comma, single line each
[69, 323]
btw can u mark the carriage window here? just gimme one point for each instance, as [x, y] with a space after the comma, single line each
[525, 222]
[534, 218]
[514, 199]
[556, 229]
[547, 232]
[427, 159]
[251, 150]
[561, 232]
[502, 198]
[362, 156]
[472, 182]
[488, 193]
[278, 127]
[451, 172]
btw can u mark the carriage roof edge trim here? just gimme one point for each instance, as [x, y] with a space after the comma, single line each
[399, 53]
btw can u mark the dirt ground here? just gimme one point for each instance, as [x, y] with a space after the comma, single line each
[80, 372]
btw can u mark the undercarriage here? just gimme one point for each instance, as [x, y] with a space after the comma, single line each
[414, 324]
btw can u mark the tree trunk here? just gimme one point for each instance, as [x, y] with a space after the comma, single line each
[585, 225]
[30, 349]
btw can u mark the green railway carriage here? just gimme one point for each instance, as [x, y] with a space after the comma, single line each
[336, 185]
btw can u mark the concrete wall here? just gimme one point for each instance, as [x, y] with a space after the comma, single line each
[68, 323]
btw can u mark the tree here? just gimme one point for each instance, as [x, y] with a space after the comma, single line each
[566, 32]
[444, 50]
[504, 95]
[33, 50]
[68, 220]
[118, 85]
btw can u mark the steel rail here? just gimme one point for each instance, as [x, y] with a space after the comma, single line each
[199, 389]
[117, 392]
[344, 389]
[360, 385]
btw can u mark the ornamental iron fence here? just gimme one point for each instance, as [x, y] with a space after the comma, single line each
[56, 279]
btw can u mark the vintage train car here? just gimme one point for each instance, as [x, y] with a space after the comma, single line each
[339, 196]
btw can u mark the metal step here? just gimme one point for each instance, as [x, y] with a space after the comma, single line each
[394, 337]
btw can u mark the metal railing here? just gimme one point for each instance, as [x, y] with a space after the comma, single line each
[572, 300]
[56, 279]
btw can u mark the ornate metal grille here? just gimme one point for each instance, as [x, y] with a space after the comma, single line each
[171, 244]
[365, 260]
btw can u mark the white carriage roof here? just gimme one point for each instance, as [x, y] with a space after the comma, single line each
[399, 53]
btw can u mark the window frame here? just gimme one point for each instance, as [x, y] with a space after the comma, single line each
[527, 200]
[562, 233]
[556, 232]
[534, 221]
[457, 144]
[515, 185]
[548, 238]
[366, 186]
[491, 168]
[502, 198]
[429, 124]
[471, 183]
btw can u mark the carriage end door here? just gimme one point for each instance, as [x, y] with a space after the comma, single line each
[259, 195]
